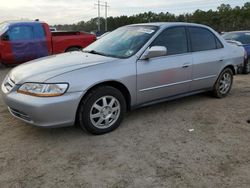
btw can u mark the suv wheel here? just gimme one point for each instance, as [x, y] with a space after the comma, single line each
[224, 83]
[102, 110]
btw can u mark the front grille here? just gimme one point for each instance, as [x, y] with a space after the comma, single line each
[20, 114]
[8, 85]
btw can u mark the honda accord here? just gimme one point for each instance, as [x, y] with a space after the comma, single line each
[131, 67]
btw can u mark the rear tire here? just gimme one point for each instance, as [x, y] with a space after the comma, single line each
[246, 68]
[102, 110]
[72, 49]
[223, 84]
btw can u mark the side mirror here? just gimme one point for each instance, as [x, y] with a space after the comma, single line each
[5, 37]
[155, 51]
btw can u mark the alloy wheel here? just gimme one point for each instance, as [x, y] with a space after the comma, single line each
[225, 83]
[105, 112]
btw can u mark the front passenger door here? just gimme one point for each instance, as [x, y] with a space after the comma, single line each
[169, 75]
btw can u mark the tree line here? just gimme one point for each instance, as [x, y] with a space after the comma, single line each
[224, 18]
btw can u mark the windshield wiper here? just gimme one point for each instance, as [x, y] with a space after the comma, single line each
[99, 53]
[95, 52]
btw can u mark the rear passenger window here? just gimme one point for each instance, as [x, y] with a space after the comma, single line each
[202, 39]
[39, 32]
[218, 43]
[174, 39]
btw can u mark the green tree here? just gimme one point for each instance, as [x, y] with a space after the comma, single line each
[224, 18]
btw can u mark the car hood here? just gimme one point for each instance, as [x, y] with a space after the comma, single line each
[43, 69]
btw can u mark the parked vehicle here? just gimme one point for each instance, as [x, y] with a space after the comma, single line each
[52, 29]
[134, 66]
[104, 34]
[24, 41]
[243, 39]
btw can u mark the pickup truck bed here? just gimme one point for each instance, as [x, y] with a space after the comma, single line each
[66, 41]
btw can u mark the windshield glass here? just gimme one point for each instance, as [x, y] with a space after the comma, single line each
[244, 38]
[123, 42]
[3, 28]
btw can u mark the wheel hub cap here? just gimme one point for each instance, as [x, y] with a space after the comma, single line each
[105, 112]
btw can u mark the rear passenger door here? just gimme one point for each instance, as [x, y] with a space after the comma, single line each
[40, 43]
[169, 75]
[208, 56]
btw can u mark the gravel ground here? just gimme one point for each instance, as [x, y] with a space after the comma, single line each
[153, 147]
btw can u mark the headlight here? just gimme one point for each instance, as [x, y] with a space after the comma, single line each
[43, 90]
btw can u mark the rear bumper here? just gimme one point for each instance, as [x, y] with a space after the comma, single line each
[44, 112]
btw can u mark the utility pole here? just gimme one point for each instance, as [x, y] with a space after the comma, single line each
[99, 14]
[106, 16]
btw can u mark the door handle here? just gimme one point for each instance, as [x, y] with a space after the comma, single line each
[186, 65]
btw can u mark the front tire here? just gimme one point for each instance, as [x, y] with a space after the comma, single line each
[102, 110]
[223, 84]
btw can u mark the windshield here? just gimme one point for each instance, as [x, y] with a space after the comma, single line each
[123, 42]
[3, 28]
[244, 38]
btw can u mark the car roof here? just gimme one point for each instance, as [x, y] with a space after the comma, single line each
[169, 24]
[20, 21]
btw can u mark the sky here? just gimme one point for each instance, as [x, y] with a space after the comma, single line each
[73, 11]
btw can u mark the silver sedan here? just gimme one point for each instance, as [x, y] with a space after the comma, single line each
[134, 66]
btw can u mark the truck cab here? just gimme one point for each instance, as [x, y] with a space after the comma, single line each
[24, 41]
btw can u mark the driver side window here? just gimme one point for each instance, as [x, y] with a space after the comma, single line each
[18, 33]
[174, 39]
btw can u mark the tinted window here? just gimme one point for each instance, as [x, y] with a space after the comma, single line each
[20, 33]
[202, 39]
[244, 38]
[174, 39]
[218, 43]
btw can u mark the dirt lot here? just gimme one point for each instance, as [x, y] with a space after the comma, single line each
[152, 148]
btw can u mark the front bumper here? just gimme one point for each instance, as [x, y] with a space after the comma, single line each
[44, 111]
